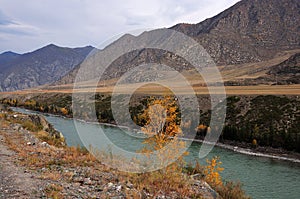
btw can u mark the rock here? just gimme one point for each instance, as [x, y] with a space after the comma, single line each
[78, 180]
[17, 127]
[129, 185]
[45, 144]
[109, 185]
[87, 181]
[119, 187]
[206, 190]
[3, 108]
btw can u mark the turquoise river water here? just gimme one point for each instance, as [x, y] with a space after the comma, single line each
[262, 178]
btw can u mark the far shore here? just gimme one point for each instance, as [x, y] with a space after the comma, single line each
[272, 153]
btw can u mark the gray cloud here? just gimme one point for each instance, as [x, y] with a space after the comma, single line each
[90, 22]
[4, 20]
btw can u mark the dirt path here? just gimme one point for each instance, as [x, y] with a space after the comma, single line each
[15, 182]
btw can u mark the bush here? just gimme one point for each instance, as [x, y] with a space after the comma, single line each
[44, 136]
[232, 191]
[30, 126]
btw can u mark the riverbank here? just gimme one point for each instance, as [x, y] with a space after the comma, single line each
[70, 172]
[262, 151]
[272, 121]
[238, 147]
[259, 151]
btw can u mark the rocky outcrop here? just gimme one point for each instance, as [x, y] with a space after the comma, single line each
[39, 120]
[287, 72]
[32, 123]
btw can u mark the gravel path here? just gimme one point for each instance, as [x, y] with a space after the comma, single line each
[15, 182]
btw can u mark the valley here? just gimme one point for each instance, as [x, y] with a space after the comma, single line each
[166, 96]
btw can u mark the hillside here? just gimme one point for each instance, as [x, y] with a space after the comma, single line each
[287, 72]
[249, 32]
[40, 67]
[7, 57]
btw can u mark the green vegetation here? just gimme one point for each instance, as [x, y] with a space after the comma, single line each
[58, 104]
[269, 121]
[266, 120]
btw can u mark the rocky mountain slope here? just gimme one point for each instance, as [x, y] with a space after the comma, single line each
[250, 31]
[287, 72]
[40, 67]
[7, 57]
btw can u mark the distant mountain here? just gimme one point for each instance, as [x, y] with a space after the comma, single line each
[250, 31]
[43, 66]
[7, 57]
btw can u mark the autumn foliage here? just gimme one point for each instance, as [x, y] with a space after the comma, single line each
[212, 172]
[163, 130]
[162, 123]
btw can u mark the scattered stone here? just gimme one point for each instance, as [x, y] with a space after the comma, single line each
[87, 181]
[118, 188]
[109, 185]
[129, 185]
[45, 144]
[17, 127]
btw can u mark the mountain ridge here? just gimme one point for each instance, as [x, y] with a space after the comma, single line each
[248, 32]
[42, 66]
[251, 31]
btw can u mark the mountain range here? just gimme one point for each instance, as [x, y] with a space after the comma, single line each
[265, 34]
[43, 66]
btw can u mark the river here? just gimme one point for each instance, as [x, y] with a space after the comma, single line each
[262, 178]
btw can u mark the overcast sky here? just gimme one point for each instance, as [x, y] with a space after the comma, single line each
[26, 25]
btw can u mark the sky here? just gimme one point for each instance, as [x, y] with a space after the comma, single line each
[26, 25]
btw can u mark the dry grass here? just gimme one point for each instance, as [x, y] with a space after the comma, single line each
[201, 90]
[53, 191]
[11, 143]
[232, 191]
[29, 125]
[52, 175]
[3, 115]
[44, 136]
[157, 182]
